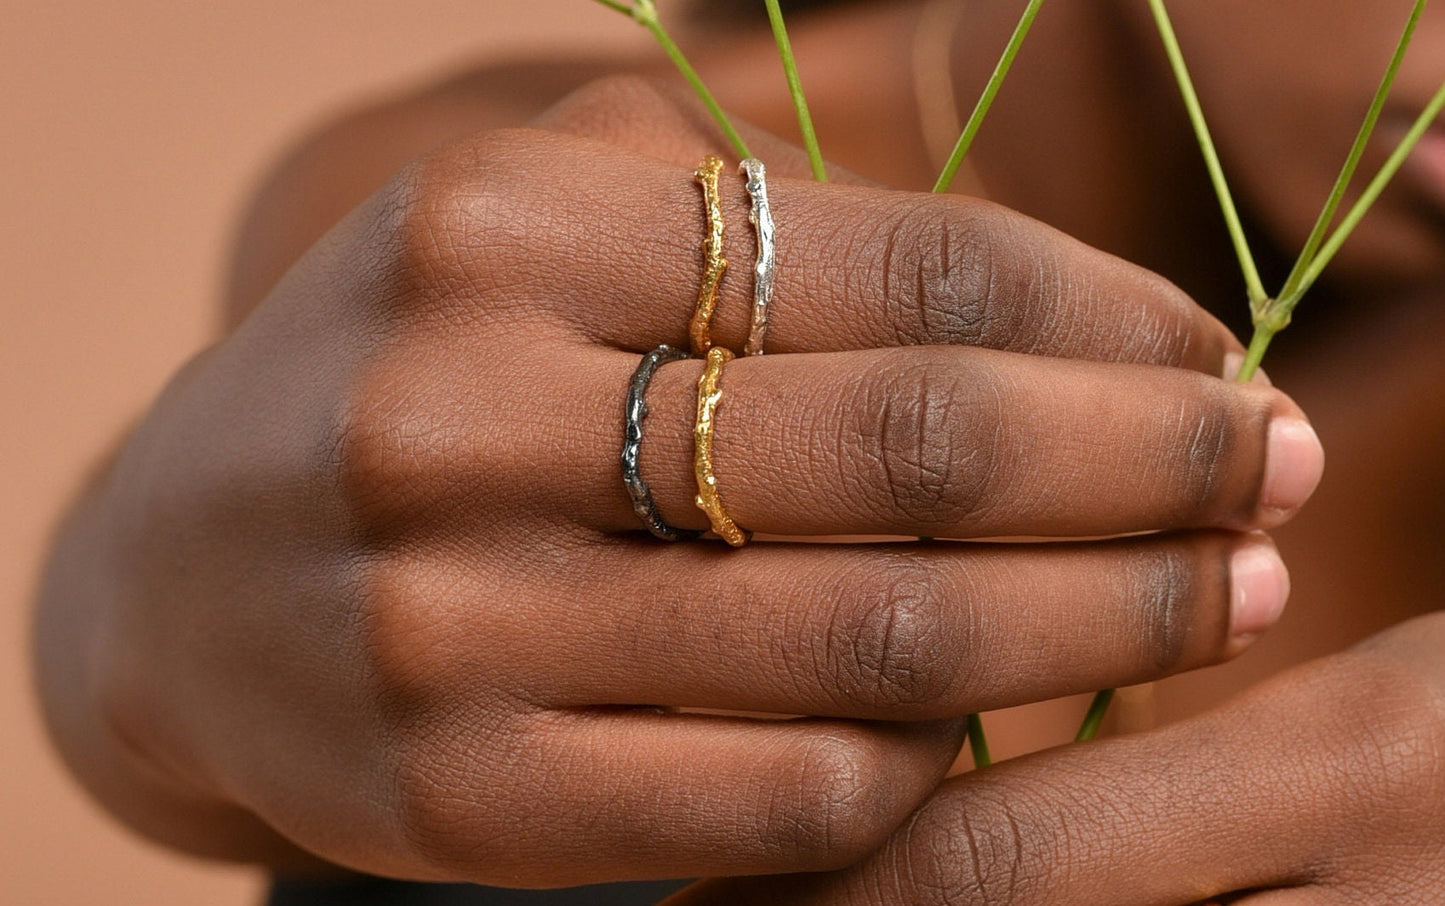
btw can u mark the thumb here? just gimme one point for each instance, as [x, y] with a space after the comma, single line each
[1246, 798]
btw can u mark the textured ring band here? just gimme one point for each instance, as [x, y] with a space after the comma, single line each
[642, 503]
[762, 220]
[709, 395]
[714, 264]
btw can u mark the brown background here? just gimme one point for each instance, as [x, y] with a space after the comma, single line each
[131, 134]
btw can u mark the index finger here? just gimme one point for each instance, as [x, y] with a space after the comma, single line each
[612, 241]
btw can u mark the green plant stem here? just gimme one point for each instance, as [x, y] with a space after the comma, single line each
[1094, 719]
[795, 88]
[985, 100]
[1255, 287]
[644, 12]
[1367, 199]
[1258, 297]
[977, 744]
[1352, 160]
[1271, 315]
[1258, 346]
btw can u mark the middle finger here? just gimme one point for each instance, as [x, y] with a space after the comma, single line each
[949, 442]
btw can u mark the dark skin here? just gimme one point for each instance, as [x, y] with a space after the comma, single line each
[181, 734]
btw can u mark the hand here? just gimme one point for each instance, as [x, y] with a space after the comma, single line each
[367, 574]
[1324, 786]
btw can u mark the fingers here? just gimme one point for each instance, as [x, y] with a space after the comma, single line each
[609, 795]
[902, 632]
[940, 441]
[610, 241]
[959, 443]
[1325, 778]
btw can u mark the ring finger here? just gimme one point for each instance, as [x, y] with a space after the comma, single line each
[902, 632]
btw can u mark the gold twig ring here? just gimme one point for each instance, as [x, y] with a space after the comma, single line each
[709, 395]
[714, 264]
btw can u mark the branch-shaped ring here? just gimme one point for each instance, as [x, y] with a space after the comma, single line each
[762, 220]
[709, 395]
[642, 502]
[714, 264]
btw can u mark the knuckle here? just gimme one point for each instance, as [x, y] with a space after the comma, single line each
[607, 101]
[430, 199]
[938, 266]
[1402, 746]
[833, 810]
[1375, 758]
[455, 757]
[455, 774]
[430, 817]
[928, 444]
[900, 638]
[970, 853]
[442, 803]
[1164, 332]
[1166, 597]
[454, 223]
[404, 633]
[418, 651]
[1205, 442]
[391, 448]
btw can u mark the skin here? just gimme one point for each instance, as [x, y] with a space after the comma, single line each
[339, 498]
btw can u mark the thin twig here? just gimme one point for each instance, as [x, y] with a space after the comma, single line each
[1094, 719]
[985, 100]
[644, 12]
[977, 744]
[1368, 197]
[1352, 161]
[1257, 295]
[795, 89]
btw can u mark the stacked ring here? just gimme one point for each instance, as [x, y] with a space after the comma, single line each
[761, 216]
[642, 503]
[714, 264]
[709, 385]
[709, 395]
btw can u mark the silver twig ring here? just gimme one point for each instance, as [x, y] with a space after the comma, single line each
[762, 220]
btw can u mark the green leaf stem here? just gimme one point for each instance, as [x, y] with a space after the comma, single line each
[1094, 719]
[977, 743]
[795, 89]
[985, 100]
[1257, 295]
[1273, 314]
[644, 12]
[1352, 160]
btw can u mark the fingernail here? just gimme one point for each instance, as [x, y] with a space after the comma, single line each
[1232, 363]
[1294, 462]
[1259, 587]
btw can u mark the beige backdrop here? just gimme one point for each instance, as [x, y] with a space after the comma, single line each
[131, 132]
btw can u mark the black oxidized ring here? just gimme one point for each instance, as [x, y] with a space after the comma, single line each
[637, 489]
